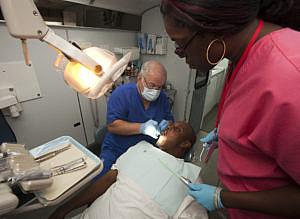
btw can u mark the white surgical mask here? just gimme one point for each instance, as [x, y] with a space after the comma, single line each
[150, 94]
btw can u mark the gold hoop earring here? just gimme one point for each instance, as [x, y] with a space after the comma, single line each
[209, 47]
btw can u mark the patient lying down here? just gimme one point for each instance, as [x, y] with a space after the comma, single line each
[140, 184]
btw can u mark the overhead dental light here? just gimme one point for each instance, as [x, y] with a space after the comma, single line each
[90, 72]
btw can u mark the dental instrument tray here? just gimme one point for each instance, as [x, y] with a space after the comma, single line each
[67, 183]
[72, 166]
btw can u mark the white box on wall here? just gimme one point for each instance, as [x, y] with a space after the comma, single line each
[161, 45]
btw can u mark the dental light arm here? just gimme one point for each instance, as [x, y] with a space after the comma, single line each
[90, 72]
[25, 22]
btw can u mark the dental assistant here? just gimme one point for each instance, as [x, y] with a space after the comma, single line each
[258, 122]
[135, 112]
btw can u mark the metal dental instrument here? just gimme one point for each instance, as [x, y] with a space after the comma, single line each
[51, 154]
[8, 154]
[205, 147]
[70, 167]
[184, 180]
[35, 174]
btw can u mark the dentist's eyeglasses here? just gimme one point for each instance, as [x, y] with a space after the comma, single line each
[180, 50]
[150, 85]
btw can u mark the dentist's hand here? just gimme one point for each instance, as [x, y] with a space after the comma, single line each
[206, 195]
[150, 128]
[163, 125]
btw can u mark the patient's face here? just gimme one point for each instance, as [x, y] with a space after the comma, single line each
[175, 133]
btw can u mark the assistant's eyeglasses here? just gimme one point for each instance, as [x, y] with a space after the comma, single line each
[180, 50]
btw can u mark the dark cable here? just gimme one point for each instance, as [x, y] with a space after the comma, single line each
[83, 125]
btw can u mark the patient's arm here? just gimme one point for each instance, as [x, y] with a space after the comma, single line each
[122, 127]
[87, 196]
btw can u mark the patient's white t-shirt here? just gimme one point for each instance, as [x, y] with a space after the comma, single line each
[146, 188]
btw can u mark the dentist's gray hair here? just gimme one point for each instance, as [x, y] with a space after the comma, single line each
[151, 67]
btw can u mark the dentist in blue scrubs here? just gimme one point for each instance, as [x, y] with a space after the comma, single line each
[135, 112]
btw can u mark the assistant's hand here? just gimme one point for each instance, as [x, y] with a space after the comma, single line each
[163, 125]
[150, 128]
[210, 137]
[206, 195]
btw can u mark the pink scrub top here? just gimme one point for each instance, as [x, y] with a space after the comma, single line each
[259, 132]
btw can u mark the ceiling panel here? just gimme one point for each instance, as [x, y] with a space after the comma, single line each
[52, 4]
[128, 6]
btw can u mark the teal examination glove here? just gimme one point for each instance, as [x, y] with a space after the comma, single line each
[150, 128]
[163, 125]
[206, 195]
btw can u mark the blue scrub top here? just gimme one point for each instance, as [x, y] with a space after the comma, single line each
[126, 104]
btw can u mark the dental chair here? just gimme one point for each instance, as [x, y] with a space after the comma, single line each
[99, 135]
[6, 134]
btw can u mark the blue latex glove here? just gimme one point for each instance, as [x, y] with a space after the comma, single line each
[205, 195]
[150, 128]
[163, 125]
[210, 137]
[207, 142]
